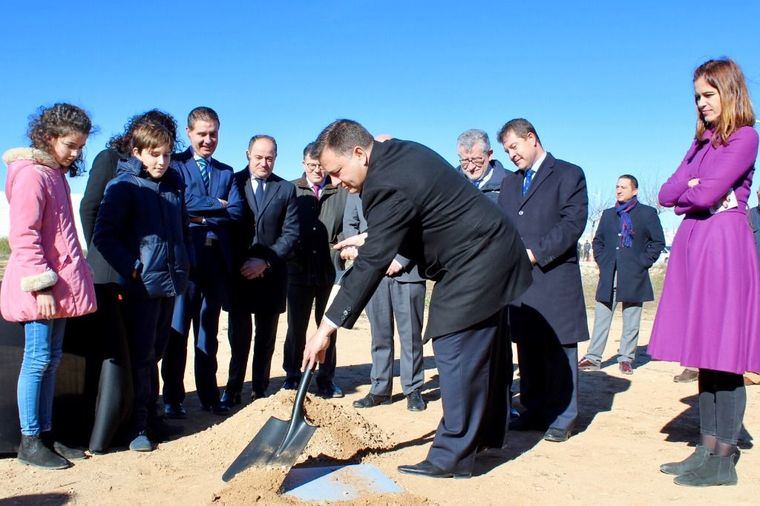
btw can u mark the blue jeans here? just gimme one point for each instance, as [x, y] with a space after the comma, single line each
[43, 347]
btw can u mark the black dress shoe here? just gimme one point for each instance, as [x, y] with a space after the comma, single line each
[290, 384]
[330, 391]
[230, 399]
[218, 409]
[425, 468]
[556, 435]
[258, 394]
[371, 400]
[415, 402]
[175, 410]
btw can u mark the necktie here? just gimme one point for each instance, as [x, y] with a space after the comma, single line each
[526, 181]
[258, 194]
[317, 191]
[203, 166]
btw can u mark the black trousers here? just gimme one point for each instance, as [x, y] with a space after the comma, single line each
[200, 307]
[240, 333]
[474, 406]
[548, 380]
[300, 301]
[147, 321]
[722, 402]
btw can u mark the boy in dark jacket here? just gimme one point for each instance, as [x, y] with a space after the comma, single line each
[141, 230]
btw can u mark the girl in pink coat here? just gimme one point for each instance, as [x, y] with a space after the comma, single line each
[47, 278]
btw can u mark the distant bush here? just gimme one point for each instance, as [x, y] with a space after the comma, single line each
[5, 247]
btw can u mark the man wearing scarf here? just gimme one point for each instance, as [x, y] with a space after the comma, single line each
[627, 242]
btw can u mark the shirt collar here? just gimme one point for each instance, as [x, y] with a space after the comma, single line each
[538, 162]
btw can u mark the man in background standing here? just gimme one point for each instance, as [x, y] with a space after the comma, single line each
[628, 241]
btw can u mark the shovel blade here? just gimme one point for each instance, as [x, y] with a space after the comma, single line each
[270, 447]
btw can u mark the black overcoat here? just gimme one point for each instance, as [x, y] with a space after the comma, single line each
[418, 206]
[550, 219]
[632, 264]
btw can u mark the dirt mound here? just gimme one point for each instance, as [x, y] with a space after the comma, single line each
[343, 436]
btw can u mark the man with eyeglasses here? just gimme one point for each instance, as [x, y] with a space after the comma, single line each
[312, 269]
[477, 164]
[264, 239]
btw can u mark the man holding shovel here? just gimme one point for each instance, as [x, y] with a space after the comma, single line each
[417, 205]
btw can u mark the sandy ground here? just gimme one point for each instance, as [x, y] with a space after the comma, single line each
[628, 426]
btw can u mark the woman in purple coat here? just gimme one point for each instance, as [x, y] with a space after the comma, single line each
[708, 316]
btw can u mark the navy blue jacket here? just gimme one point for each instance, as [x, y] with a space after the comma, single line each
[550, 219]
[492, 187]
[631, 264]
[204, 203]
[142, 225]
[269, 233]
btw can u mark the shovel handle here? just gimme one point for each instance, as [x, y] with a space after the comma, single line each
[303, 386]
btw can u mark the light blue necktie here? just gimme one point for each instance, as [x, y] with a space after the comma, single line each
[202, 165]
[526, 181]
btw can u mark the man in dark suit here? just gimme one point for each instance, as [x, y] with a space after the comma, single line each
[212, 203]
[546, 200]
[477, 164]
[400, 296]
[263, 239]
[628, 241]
[312, 269]
[417, 205]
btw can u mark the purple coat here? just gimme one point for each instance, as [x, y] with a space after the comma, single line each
[709, 314]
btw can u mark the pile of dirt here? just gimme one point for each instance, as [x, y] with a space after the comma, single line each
[342, 437]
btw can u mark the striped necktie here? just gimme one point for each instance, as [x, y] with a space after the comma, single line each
[203, 166]
[526, 181]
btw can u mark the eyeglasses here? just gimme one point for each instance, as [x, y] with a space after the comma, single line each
[312, 166]
[478, 162]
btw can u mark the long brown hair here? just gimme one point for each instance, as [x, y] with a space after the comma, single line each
[736, 107]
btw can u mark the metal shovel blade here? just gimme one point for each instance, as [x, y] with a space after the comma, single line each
[279, 442]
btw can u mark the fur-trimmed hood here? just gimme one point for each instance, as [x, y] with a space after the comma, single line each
[32, 154]
[20, 159]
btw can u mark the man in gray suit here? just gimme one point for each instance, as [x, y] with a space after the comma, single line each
[401, 293]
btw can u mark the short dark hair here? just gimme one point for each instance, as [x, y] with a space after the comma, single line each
[122, 142]
[310, 150]
[520, 126]
[342, 136]
[202, 113]
[262, 136]
[632, 179]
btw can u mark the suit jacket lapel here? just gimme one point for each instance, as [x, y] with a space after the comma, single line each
[270, 189]
[545, 170]
[249, 194]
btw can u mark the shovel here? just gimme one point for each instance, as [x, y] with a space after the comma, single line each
[279, 442]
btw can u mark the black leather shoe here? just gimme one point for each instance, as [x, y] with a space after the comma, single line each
[372, 400]
[290, 384]
[218, 409]
[230, 399]
[330, 391]
[415, 402]
[258, 394]
[556, 435]
[175, 410]
[425, 468]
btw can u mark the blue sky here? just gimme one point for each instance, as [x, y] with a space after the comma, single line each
[608, 86]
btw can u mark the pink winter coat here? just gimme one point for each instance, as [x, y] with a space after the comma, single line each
[45, 250]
